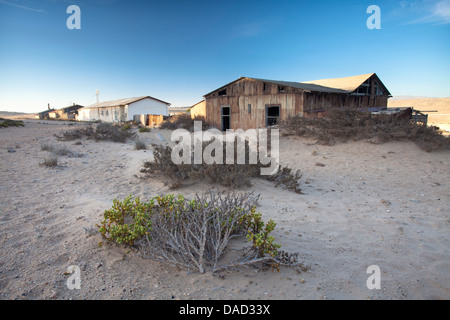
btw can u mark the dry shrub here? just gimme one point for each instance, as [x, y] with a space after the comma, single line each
[346, 125]
[228, 175]
[140, 144]
[51, 160]
[57, 150]
[195, 233]
[106, 131]
[184, 121]
[103, 131]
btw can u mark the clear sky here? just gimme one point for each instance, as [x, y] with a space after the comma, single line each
[178, 51]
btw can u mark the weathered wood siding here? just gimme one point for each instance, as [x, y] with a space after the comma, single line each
[257, 94]
[248, 99]
[198, 109]
[318, 101]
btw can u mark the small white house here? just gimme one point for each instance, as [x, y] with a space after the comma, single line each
[131, 109]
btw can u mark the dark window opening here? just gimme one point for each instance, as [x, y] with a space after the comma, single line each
[281, 89]
[264, 87]
[223, 92]
[272, 115]
[225, 111]
[226, 118]
[249, 109]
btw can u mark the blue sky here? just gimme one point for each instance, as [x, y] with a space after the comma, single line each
[178, 51]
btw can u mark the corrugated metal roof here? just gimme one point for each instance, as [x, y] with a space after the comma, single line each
[120, 102]
[336, 85]
[304, 86]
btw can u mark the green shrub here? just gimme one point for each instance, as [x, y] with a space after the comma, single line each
[144, 129]
[126, 221]
[5, 123]
[193, 233]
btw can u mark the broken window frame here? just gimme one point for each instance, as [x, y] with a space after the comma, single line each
[222, 93]
[270, 123]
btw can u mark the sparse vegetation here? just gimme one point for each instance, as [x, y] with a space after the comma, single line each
[144, 129]
[184, 121]
[346, 125]
[59, 150]
[103, 131]
[195, 233]
[140, 144]
[50, 160]
[5, 123]
[228, 175]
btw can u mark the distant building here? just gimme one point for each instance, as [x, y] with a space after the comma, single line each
[173, 111]
[44, 114]
[68, 113]
[130, 109]
[250, 103]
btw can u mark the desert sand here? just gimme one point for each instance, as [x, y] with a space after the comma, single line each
[440, 116]
[367, 204]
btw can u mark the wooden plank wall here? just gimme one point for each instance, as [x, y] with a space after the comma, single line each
[316, 101]
[251, 92]
[244, 92]
[198, 109]
[155, 120]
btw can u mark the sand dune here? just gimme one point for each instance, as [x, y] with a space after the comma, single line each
[385, 205]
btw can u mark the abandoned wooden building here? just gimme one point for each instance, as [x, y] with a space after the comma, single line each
[67, 113]
[44, 114]
[143, 110]
[250, 103]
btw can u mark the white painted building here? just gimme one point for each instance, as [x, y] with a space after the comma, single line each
[130, 109]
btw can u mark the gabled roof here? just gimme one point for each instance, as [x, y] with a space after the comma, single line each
[46, 111]
[348, 84]
[120, 102]
[337, 85]
[303, 85]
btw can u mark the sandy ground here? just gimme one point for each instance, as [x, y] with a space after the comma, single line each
[440, 107]
[385, 205]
